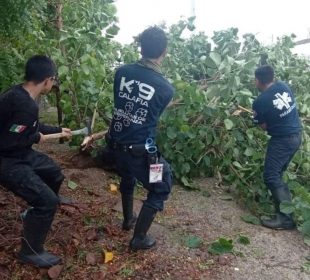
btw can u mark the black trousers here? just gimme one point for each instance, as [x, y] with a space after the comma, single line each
[34, 177]
[132, 168]
[280, 152]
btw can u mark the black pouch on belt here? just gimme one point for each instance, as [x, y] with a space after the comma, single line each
[137, 150]
[152, 158]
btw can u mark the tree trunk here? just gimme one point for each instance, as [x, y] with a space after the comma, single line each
[59, 26]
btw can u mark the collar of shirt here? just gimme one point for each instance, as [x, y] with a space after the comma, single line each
[150, 64]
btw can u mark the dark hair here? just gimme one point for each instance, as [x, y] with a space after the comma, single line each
[264, 74]
[153, 41]
[38, 68]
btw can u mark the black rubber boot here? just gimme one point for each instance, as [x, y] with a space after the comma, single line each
[140, 239]
[280, 220]
[34, 235]
[130, 217]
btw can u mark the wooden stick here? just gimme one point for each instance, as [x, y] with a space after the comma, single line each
[99, 135]
[54, 136]
[94, 117]
[245, 109]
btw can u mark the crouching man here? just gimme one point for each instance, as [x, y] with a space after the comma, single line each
[29, 174]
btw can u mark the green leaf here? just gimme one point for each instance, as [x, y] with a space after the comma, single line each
[306, 267]
[237, 164]
[221, 246]
[84, 58]
[249, 151]
[85, 69]
[72, 185]
[305, 228]
[171, 133]
[17, 54]
[180, 85]
[210, 64]
[113, 30]
[63, 70]
[193, 241]
[207, 161]
[248, 218]
[249, 133]
[186, 167]
[246, 92]
[306, 166]
[244, 240]
[305, 213]
[185, 182]
[307, 240]
[215, 57]
[228, 124]
[287, 207]
[184, 128]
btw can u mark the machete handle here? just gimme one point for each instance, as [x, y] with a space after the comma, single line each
[54, 136]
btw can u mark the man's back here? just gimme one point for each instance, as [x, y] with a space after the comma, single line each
[277, 108]
[140, 96]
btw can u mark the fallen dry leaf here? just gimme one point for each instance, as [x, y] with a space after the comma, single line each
[108, 256]
[113, 188]
[55, 271]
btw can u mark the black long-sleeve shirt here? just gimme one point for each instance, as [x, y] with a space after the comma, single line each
[19, 122]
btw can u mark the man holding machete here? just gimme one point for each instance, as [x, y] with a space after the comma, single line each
[30, 174]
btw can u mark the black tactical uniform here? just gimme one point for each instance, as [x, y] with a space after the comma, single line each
[29, 174]
[141, 94]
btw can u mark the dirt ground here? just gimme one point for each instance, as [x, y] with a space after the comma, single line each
[83, 231]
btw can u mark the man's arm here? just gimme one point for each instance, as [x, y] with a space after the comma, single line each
[259, 115]
[48, 129]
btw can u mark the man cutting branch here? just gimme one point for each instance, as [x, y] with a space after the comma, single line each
[275, 111]
[29, 174]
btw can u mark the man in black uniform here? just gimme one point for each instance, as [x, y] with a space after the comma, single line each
[275, 111]
[29, 174]
[141, 94]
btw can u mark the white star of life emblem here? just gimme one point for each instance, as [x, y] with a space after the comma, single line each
[282, 101]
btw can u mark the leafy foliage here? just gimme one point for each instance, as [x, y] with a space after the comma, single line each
[244, 240]
[193, 241]
[19, 16]
[251, 219]
[212, 76]
[206, 138]
[221, 246]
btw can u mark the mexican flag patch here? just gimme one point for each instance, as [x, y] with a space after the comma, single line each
[17, 128]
